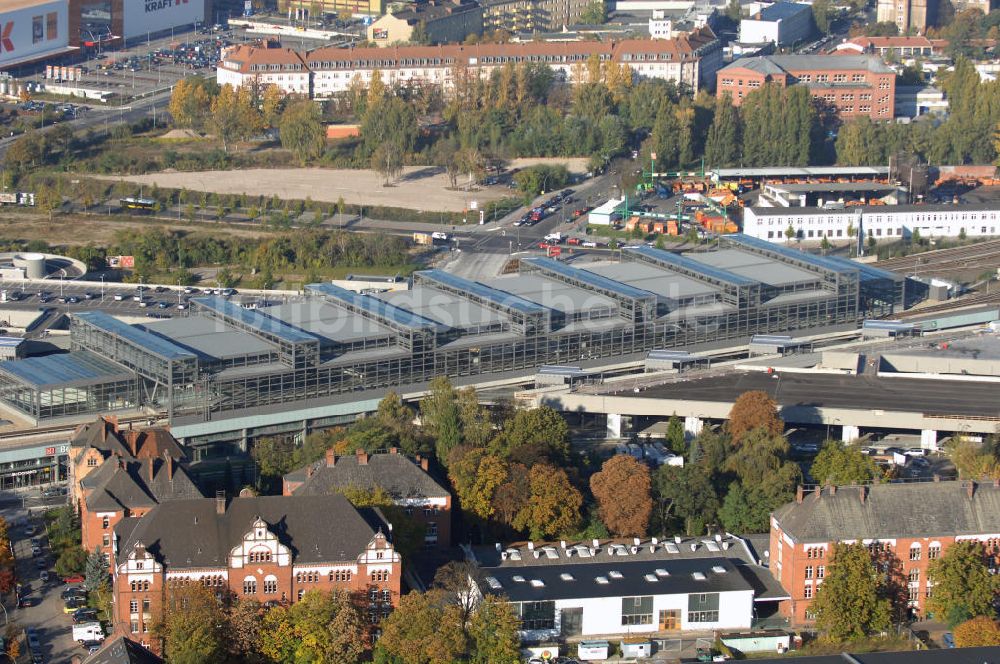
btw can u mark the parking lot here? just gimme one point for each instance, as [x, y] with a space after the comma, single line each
[41, 609]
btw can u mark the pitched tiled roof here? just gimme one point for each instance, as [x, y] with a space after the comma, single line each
[920, 509]
[243, 57]
[191, 534]
[777, 64]
[399, 475]
[119, 484]
[122, 650]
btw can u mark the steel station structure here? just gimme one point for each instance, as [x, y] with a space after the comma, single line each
[226, 375]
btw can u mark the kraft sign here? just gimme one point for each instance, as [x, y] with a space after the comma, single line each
[5, 41]
[157, 5]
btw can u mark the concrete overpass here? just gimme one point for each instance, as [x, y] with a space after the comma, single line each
[850, 401]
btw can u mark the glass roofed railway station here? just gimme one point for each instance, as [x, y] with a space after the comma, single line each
[225, 374]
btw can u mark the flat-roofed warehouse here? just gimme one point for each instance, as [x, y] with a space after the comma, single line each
[227, 375]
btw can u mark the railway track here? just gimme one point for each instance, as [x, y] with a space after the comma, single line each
[975, 256]
[961, 303]
[7, 437]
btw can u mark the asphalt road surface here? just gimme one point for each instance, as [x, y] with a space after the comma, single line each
[836, 391]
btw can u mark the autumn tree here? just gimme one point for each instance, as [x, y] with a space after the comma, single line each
[387, 161]
[978, 632]
[621, 489]
[191, 625]
[850, 603]
[190, 102]
[407, 533]
[841, 464]
[424, 629]
[476, 475]
[963, 584]
[245, 619]
[301, 130]
[754, 410]
[553, 504]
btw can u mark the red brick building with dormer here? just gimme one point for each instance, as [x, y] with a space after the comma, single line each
[407, 479]
[851, 86]
[270, 548]
[914, 522]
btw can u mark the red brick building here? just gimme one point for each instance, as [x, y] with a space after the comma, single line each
[915, 523]
[117, 473]
[851, 85]
[269, 548]
[405, 478]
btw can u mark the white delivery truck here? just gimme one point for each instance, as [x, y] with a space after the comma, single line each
[90, 631]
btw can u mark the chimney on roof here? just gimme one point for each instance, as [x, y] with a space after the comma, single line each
[393, 450]
[970, 489]
[833, 489]
[422, 461]
[937, 478]
[362, 457]
[220, 502]
[799, 493]
[863, 494]
[996, 482]
[331, 458]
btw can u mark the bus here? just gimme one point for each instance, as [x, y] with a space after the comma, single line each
[132, 203]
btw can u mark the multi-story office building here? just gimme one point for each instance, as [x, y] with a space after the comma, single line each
[916, 15]
[852, 86]
[783, 23]
[268, 548]
[691, 61]
[440, 21]
[516, 16]
[913, 523]
[407, 480]
[890, 222]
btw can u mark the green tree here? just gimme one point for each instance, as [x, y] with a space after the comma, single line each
[686, 495]
[301, 130]
[387, 160]
[191, 625]
[676, 438]
[476, 475]
[95, 570]
[594, 14]
[839, 465]
[48, 200]
[274, 457]
[821, 15]
[72, 561]
[232, 116]
[534, 434]
[328, 627]
[245, 619]
[407, 534]
[850, 604]
[963, 584]
[493, 633]
[723, 142]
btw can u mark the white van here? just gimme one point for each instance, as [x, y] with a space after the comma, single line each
[90, 631]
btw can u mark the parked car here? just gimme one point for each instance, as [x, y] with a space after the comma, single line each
[91, 646]
[36, 551]
[84, 615]
[30, 530]
[949, 640]
[119, 297]
[44, 576]
[73, 592]
[74, 604]
[76, 578]
[916, 452]
[33, 641]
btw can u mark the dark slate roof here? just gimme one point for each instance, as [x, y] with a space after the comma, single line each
[990, 655]
[919, 509]
[122, 650]
[121, 484]
[401, 476]
[782, 10]
[99, 434]
[190, 534]
[583, 584]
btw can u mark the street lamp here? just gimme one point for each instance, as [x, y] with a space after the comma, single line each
[102, 288]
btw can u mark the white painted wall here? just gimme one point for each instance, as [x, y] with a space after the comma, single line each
[30, 33]
[144, 16]
[885, 223]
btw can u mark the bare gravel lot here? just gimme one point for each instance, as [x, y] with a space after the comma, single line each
[419, 188]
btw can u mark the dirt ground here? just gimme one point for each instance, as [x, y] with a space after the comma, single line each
[419, 188]
[78, 230]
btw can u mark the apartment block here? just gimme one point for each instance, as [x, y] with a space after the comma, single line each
[852, 86]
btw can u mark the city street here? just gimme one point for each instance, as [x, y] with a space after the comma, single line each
[43, 608]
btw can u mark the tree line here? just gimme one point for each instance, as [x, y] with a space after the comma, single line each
[440, 625]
